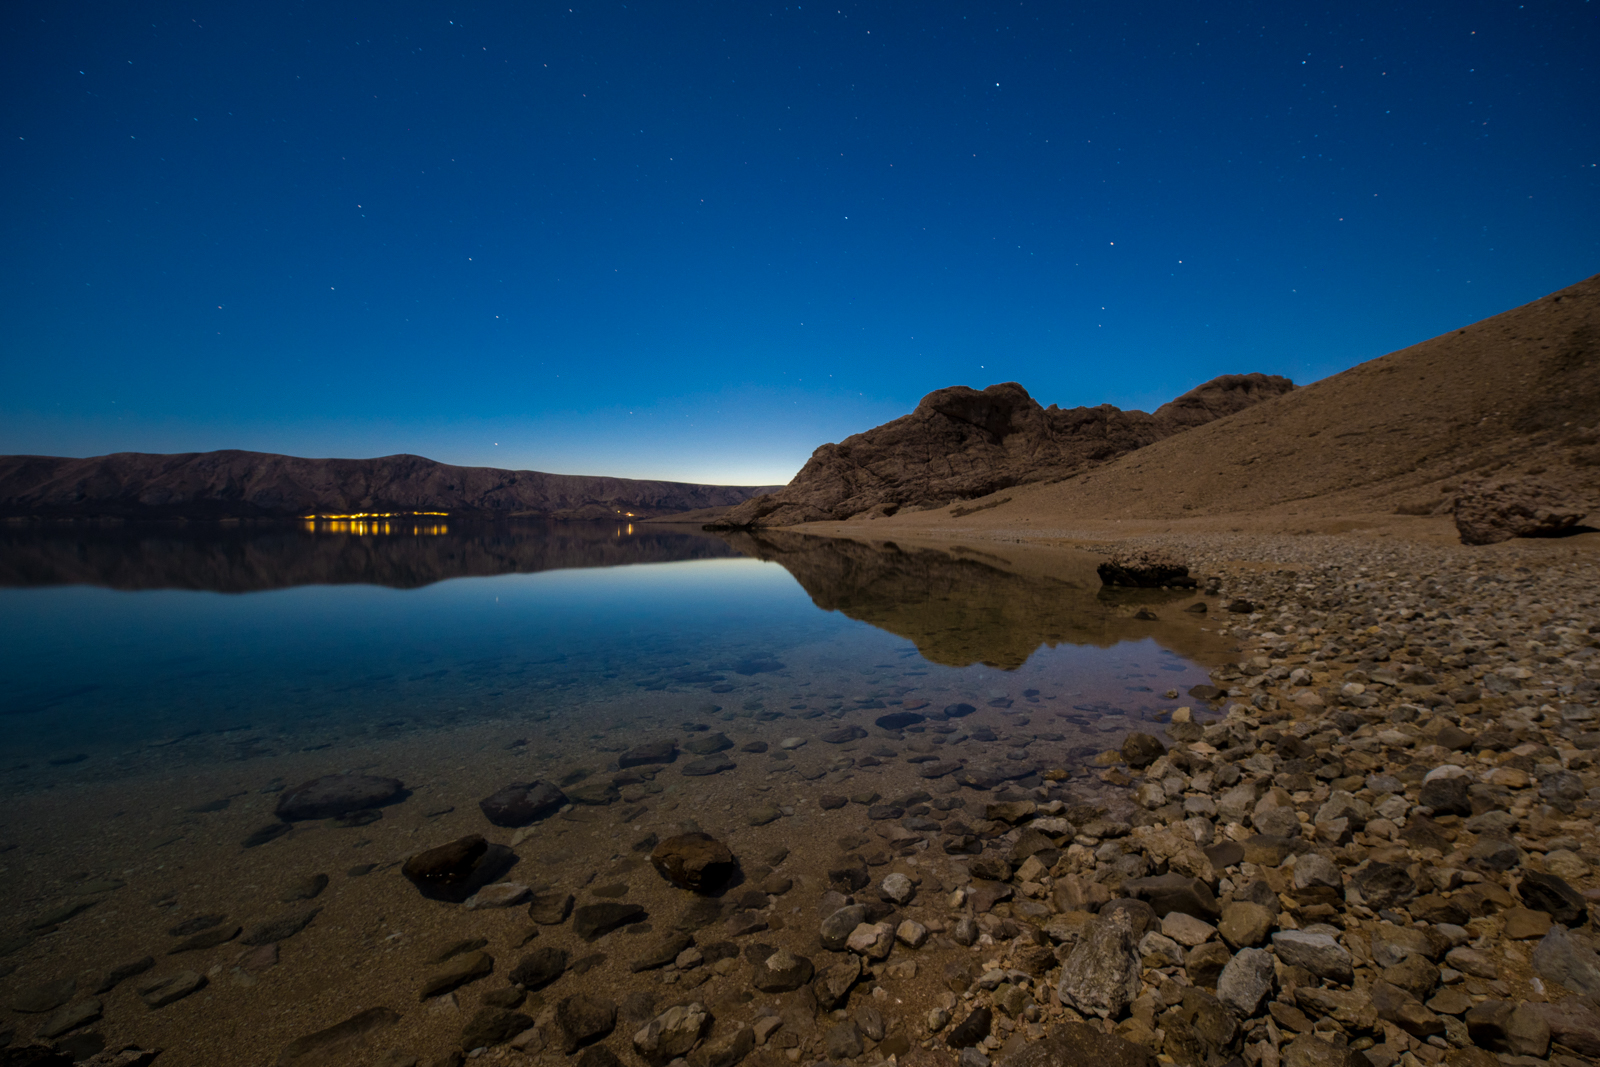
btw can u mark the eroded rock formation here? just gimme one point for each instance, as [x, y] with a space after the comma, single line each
[962, 443]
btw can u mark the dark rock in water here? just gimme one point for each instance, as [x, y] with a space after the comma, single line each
[1146, 568]
[33, 1056]
[173, 988]
[457, 972]
[196, 924]
[971, 1030]
[509, 997]
[756, 747]
[45, 996]
[270, 832]
[456, 948]
[352, 819]
[336, 794]
[70, 1018]
[956, 711]
[662, 954]
[279, 929]
[1550, 893]
[584, 1019]
[1141, 750]
[491, 1027]
[696, 861]
[653, 752]
[898, 720]
[598, 1056]
[336, 1042]
[124, 971]
[220, 935]
[550, 909]
[698, 915]
[937, 769]
[708, 765]
[843, 734]
[305, 889]
[706, 744]
[593, 921]
[832, 801]
[540, 967]
[520, 803]
[454, 871]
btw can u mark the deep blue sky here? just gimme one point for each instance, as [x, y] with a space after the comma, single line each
[695, 240]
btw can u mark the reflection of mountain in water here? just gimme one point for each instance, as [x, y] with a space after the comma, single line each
[957, 609]
[239, 559]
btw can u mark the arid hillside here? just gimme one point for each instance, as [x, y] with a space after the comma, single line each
[1514, 395]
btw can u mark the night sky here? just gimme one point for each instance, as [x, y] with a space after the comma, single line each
[695, 240]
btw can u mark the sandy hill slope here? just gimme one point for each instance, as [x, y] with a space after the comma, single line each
[235, 484]
[1514, 395]
[962, 443]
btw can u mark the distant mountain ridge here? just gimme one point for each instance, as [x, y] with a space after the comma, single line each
[237, 484]
[962, 443]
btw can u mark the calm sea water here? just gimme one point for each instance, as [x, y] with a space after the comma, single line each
[297, 637]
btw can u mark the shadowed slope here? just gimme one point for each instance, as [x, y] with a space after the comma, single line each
[234, 484]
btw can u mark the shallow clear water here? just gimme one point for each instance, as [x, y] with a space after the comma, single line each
[162, 689]
[292, 638]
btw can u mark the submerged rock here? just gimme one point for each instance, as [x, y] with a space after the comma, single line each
[593, 921]
[520, 803]
[336, 794]
[337, 1041]
[694, 861]
[456, 870]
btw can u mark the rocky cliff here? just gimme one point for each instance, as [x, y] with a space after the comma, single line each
[234, 484]
[962, 443]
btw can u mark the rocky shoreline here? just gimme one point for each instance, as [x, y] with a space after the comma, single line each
[1369, 841]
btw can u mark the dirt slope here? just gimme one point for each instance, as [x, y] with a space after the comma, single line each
[1518, 393]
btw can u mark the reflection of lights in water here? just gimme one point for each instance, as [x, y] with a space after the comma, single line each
[628, 531]
[377, 524]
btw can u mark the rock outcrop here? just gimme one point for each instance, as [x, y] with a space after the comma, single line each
[1487, 513]
[962, 443]
[235, 484]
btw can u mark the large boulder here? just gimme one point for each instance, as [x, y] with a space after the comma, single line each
[1492, 511]
[336, 794]
[1145, 567]
[1101, 977]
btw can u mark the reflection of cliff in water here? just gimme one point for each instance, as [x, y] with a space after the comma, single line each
[246, 558]
[956, 607]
